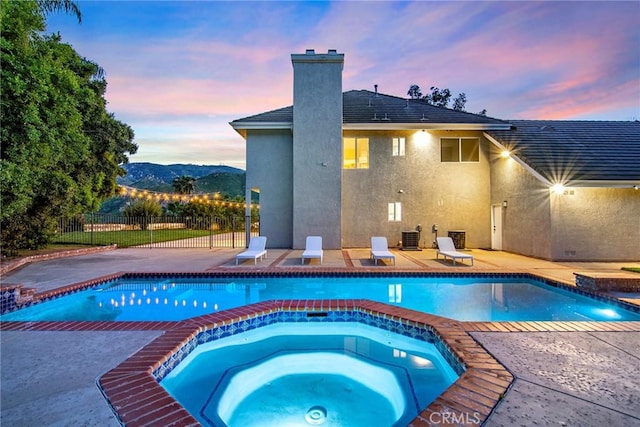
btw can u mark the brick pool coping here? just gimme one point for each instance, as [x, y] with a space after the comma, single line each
[138, 399]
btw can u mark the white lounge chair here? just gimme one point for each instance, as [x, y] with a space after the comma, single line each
[447, 249]
[313, 248]
[256, 250]
[380, 250]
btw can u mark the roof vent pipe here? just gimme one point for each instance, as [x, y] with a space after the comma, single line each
[310, 52]
[333, 52]
[375, 87]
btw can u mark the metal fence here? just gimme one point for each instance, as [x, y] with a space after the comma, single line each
[157, 231]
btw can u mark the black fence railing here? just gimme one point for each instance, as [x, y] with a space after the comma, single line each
[157, 231]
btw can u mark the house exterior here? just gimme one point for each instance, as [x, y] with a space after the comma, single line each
[351, 165]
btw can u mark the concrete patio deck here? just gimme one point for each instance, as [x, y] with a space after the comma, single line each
[578, 377]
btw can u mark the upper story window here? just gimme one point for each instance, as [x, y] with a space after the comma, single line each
[459, 150]
[398, 147]
[355, 153]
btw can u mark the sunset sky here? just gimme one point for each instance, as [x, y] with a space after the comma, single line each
[179, 72]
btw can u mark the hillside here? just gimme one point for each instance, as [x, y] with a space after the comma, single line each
[144, 175]
[226, 180]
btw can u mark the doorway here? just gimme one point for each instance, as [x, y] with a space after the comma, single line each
[496, 227]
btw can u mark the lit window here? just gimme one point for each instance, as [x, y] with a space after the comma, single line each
[355, 153]
[395, 211]
[459, 150]
[398, 147]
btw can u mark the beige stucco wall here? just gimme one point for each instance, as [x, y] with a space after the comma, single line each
[456, 196]
[526, 222]
[596, 224]
[270, 169]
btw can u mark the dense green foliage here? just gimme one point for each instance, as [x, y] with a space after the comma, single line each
[61, 149]
[143, 211]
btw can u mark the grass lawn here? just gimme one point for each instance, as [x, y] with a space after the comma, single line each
[125, 239]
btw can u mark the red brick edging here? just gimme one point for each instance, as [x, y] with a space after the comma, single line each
[139, 400]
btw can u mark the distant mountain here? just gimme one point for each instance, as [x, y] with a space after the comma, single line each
[226, 180]
[152, 174]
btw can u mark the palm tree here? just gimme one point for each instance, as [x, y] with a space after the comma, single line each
[184, 185]
[66, 6]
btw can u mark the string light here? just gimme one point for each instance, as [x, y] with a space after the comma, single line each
[212, 199]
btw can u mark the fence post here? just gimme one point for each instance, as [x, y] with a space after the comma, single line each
[151, 232]
[92, 227]
[247, 230]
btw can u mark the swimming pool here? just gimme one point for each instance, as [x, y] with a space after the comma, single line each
[308, 374]
[495, 297]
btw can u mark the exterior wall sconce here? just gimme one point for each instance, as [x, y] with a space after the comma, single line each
[504, 204]
[558, 188]
[635, 187]
[505, 154]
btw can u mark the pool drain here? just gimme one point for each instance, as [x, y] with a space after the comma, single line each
[316, 415]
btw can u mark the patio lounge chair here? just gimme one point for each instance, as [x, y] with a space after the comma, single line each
[447, 249]
[313, 248]
[256, 250]
[380, 249]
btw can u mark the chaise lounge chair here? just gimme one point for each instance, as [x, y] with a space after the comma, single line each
[256, 250]
[380, 250]
[447, 249]
[313, 248]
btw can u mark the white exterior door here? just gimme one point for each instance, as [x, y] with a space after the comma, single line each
[496, 227]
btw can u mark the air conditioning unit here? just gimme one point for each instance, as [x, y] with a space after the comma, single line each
[411, 241]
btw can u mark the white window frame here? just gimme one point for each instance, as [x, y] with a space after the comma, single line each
[358, 162]
[394, 212]
[398, 146]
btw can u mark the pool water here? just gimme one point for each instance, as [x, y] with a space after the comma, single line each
[345, 374]
[491, 298]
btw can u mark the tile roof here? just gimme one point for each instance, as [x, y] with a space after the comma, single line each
[366, 107]
[363, 106]
[567, 151]
[571, 151]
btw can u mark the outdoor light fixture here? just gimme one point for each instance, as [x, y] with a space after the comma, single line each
[504, 204]
[505, 154]
[635, 187]
[558, 188]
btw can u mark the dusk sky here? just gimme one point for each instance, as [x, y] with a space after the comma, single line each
[179, 72]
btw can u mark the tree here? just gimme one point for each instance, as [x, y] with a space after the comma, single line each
[67, 6]
[142, 211]
[459, 102]
[61, 149]
[437, 97]
[441, 98]
[414, 92]
[184, 185]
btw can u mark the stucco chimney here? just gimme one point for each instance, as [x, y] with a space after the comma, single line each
[317, 147]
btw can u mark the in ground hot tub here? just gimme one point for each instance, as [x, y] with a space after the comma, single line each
[338, 373]
[136, 396]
